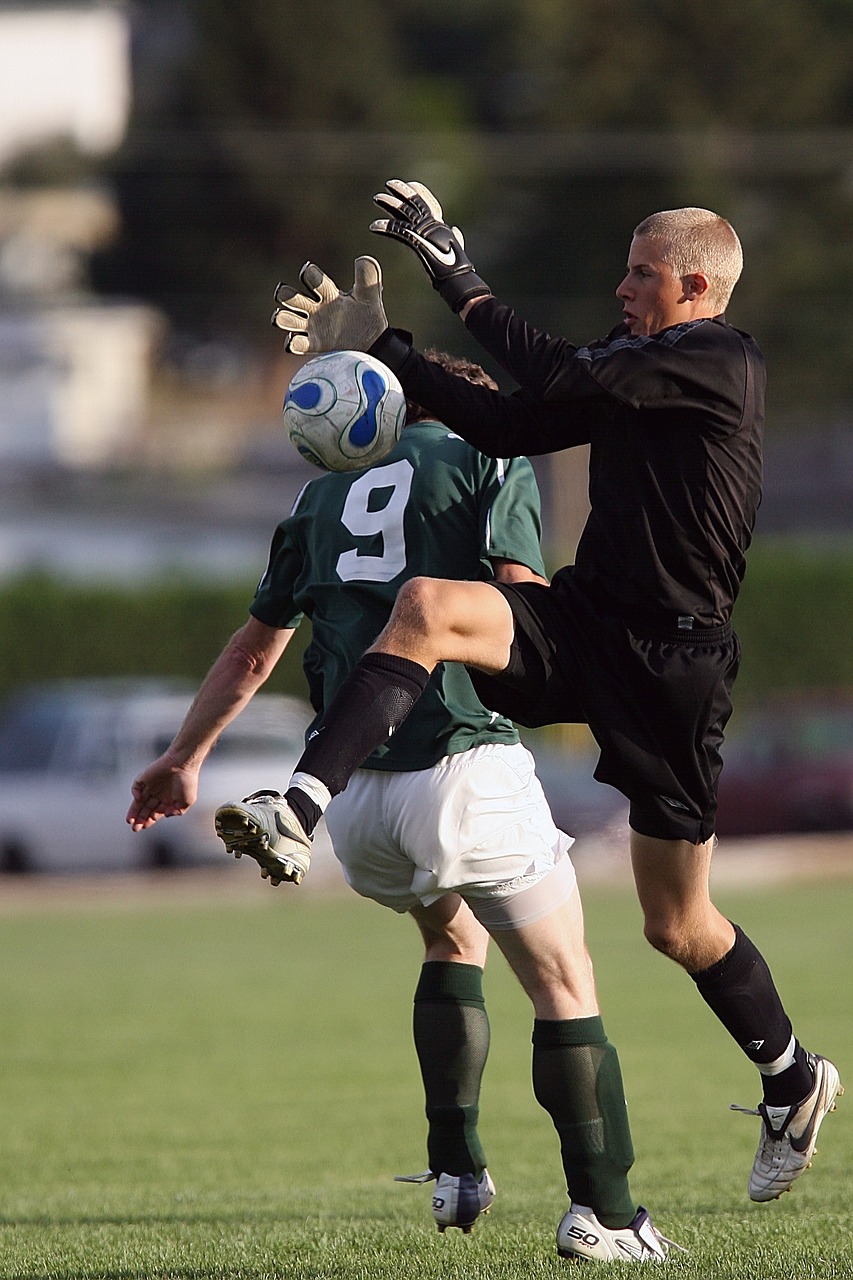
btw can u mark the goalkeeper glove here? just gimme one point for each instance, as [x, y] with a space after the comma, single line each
[417, 220]
[324, 319]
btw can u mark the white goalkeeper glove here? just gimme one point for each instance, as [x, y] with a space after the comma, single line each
[324, 319]
[418, 221]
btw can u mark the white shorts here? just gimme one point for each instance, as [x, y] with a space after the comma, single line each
[476, 823]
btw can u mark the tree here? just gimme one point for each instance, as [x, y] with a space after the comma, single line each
[548, 130]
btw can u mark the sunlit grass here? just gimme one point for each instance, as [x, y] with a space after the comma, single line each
[227, 1090]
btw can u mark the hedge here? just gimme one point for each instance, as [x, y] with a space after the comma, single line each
[52, 628]
[794, 617]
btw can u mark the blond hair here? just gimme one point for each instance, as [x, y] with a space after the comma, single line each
[697, 241]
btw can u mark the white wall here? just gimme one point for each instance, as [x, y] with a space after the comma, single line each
[75, 383]
[63, 72]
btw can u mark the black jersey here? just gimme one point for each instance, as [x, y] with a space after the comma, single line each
[674, 422]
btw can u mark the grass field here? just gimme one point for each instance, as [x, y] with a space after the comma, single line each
[197, 1089]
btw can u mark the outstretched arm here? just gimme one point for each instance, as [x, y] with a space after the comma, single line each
[417, 220]
[169, 785]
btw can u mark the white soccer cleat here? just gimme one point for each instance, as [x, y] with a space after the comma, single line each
[264, 826]
[458, 1199]
[789, 1134]
[582, 1238]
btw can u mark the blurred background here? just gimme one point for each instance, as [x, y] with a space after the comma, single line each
[164, 163]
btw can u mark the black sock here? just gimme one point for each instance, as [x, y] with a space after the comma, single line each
[577, 1079]
[791, 1085]
[740, 990]
[372, 702]
[451, 1030]
[307, 810]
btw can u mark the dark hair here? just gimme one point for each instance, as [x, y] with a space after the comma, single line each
[457, 365]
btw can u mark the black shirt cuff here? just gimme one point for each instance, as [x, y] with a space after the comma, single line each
[393, 348]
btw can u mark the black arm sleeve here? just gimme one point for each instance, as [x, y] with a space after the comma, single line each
[532, 357]
[499, 425]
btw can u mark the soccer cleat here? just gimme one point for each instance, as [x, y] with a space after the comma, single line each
[458, 1199]
[264, 826]
[582, 1238]
[789, 1134]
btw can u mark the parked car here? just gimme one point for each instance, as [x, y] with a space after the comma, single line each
[788, 767]
[69, 752]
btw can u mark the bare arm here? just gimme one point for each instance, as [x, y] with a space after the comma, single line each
[169, 785]
[511, 571]
[463, 314]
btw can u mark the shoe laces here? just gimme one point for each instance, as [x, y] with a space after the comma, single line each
[648, 1225]
[770, 1132]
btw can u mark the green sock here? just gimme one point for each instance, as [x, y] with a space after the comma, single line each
[577, 1080]
[451, 1030]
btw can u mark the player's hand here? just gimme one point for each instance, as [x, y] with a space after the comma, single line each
[163, 790]
[418, 221]
[321, 318]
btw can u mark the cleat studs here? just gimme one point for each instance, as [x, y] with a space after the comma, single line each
[441, 1228]
[238, 853]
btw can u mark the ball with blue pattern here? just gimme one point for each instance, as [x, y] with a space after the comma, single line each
[344, 411]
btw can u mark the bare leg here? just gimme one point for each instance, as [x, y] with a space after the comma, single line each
[551, 962]
[436, 620]
[672, 879]
[451, 932]
[731, 975]
[576, 1074]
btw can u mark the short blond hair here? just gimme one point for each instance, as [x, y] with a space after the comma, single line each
[697, 241]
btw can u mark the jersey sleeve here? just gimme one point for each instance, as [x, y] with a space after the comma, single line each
[513, 516]
[699, 366]
[273, 603]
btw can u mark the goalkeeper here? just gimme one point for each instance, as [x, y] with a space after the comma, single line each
[635, 639]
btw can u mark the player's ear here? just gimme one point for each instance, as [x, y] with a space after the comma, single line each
[695, 286]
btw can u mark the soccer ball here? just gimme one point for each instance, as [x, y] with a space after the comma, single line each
[344, 411]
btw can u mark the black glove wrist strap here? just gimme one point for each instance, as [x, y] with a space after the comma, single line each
[393, 347]
[459, 289]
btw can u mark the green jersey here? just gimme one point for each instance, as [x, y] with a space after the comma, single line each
[435, 507]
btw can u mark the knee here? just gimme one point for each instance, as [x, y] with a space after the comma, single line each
[417, 604]
[666, 934]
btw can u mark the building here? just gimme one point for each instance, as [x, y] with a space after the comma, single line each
[64, 73]
[74, 371]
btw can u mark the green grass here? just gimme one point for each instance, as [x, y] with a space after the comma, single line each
[207, 1090]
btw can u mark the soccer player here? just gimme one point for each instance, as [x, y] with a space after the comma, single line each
[635, 639]
[446, 821]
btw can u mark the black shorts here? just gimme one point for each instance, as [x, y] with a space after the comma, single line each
[657, 702]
